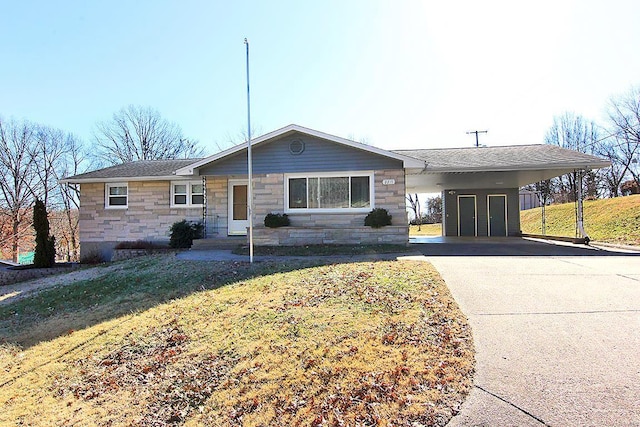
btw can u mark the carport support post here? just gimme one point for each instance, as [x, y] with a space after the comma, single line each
[579, 213]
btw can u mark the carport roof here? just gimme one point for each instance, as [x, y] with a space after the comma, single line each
[513, 157]
[511, 166]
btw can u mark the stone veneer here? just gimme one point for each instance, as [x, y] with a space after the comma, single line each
[269, 197]
[326, 228]
[297, 236]
[149, 215]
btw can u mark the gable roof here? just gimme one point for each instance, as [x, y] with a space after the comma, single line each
[537, 157]
[504, 158]
[141, 170]
[407, 161]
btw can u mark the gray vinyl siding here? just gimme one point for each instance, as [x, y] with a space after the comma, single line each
[318, 156]
[451, 210]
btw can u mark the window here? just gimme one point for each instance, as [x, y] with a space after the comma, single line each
[116, 196]
[329, 193]
[187, 194]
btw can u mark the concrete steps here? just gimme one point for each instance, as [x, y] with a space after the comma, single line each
[229, 242]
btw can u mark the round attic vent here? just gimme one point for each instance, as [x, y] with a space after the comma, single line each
[296, 146]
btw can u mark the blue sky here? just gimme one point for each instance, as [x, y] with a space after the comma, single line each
[398, 74]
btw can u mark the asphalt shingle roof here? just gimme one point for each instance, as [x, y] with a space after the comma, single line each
[514, 157]
[501, 158]
[137, 169]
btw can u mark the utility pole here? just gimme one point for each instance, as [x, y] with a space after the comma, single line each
[477, 132]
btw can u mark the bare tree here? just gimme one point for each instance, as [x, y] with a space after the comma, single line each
[434, 210]
[624, 122]
[140, 133]
[613, 176]
[58, 154]
[543, 190]
[575, 133]
[18, 179]
[48, 152]
[74, 162]
[414, 203]
[239, 137]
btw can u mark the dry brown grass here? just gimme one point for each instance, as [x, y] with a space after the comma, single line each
[615, 220]
[350, 344]
[426, 230]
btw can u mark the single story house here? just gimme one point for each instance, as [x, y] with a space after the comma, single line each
[325, 184]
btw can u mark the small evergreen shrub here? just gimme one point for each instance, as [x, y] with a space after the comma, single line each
[182, 233]
[379, 217]
[276, 220]
[45, 254]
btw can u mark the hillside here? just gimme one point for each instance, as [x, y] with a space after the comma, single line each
[614, 220]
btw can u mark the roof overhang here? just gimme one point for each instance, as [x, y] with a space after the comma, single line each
[408, 162]
[433, 181]
[125, 179]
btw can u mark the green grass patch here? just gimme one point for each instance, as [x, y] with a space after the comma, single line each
[123, 287]
[226, 344]
[615, 220]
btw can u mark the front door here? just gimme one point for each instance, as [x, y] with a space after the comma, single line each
[238, 208]
[467, 216]
[497, 215]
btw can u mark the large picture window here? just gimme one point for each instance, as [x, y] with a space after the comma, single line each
[116, 196]
[185, 194]
[329, 193]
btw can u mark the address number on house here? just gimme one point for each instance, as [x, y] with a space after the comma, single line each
[388, 181]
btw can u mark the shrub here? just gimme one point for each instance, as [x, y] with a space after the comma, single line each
[45, 254]
[93, 257]
[379, 217]
[183, 232]
[276, 220]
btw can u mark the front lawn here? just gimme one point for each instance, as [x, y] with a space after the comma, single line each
[168, 342]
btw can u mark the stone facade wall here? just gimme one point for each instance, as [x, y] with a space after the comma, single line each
[217, 206]
[123, 254]
[9, 277]
[297, 236]
[392, 197]
[268, 192]
[269, 197]
[147, 217]
[330, 228]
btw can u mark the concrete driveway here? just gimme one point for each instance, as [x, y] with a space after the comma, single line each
[556, 330]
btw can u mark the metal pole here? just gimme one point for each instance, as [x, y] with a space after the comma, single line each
[249, 162]
[580, 212]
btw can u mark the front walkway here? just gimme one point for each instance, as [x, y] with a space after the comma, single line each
[556, 330]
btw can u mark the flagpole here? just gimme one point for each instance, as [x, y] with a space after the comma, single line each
[249, 162]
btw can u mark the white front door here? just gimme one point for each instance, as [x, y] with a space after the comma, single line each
[238, 207]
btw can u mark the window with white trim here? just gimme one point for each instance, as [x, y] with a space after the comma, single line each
[116, 195]
[185, 194]
[351, 192]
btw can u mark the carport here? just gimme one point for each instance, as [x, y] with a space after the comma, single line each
[480, 185]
